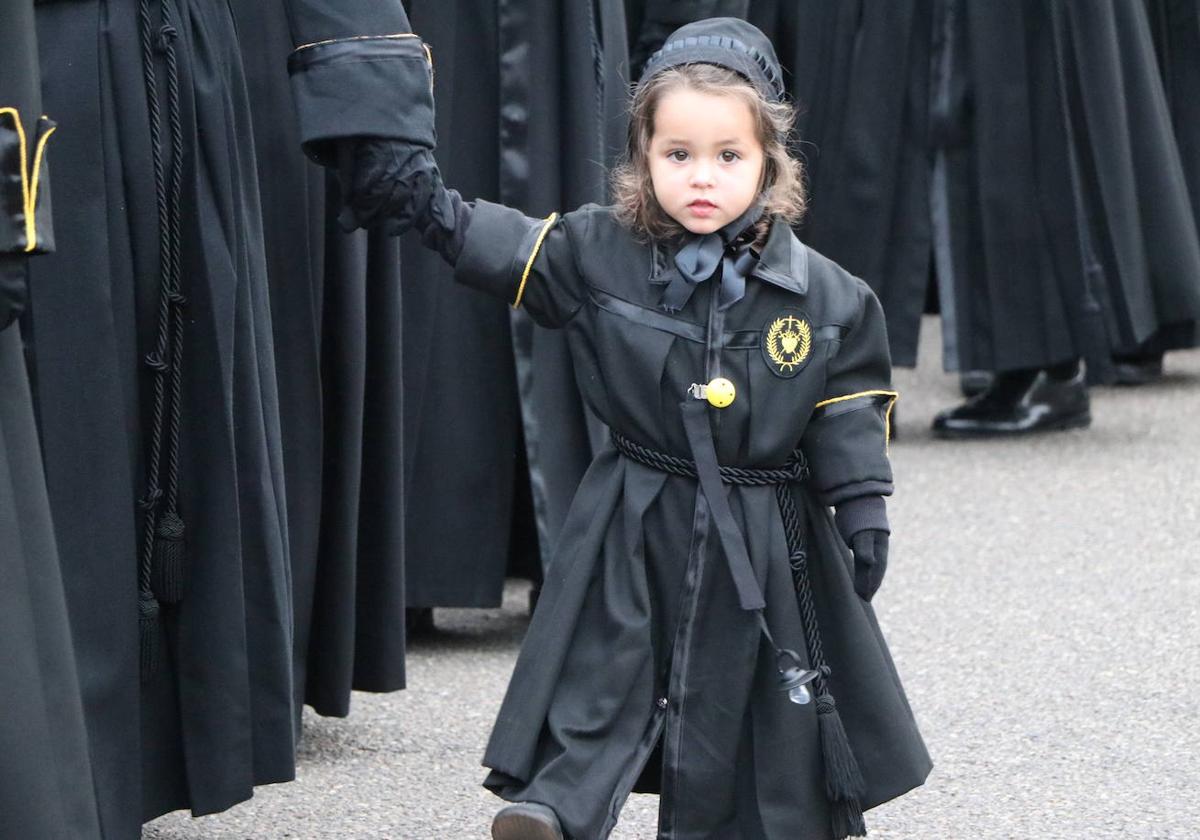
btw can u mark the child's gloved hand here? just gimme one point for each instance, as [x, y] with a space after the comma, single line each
[398, 185]
[863, 524]
[870, 550]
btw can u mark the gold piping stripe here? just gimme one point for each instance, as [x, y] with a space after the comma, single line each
[355, 38]
[30, 226]
[887, 417]
[429, 57]
[537, 246]
[31, 209]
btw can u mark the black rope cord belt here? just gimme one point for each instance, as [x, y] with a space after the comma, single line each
[844, 784]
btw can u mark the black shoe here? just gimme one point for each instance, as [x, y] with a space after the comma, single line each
[418, 621]
[1137, 370]
[973, 382]
[526, 821]
[1019, 403]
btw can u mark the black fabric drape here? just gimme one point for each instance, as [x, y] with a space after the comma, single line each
[46, 786]
[558, 71]
[985, 140]
[336, 325]
[172, 741]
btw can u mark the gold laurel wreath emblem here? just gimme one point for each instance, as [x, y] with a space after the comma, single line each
[789, 341]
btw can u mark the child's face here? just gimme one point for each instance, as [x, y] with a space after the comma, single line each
[705, 159]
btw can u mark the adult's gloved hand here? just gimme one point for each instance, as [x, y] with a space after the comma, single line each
[870, 550]
[398, 185]
[13, 287]
[863, 524]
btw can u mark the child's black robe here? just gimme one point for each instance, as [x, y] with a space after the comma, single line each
[639, 635]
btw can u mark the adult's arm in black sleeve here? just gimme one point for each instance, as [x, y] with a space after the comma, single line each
[358, 70]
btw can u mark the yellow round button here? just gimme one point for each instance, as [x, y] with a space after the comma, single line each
[721, 392]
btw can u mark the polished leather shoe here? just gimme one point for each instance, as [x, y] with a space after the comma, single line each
[526, 821]
[1019, 403]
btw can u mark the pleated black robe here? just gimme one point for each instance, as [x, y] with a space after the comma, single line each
[1009, 150]
[46, 787]
[529, 97]
[216, 717]
[335, 308]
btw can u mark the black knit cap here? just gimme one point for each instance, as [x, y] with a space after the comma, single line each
[727, 42]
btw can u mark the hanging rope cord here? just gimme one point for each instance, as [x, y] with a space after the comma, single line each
[844, 783]
[165, 359]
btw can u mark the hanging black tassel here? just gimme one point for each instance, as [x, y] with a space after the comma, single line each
[148, 633]
[167, 572]
[844, 784]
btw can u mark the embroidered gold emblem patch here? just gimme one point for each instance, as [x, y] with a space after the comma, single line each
[787, 344]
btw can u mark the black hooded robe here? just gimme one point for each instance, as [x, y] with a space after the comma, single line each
[46, 787]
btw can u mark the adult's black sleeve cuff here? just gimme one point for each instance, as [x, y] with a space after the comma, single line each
[364, 86]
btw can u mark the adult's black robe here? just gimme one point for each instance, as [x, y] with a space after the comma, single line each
[217, 716]
[529, 107]
[335, 311]
[1013, 147]
[45, 778]
[641, 635]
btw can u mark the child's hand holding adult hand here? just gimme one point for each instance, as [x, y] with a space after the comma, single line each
[398, 185]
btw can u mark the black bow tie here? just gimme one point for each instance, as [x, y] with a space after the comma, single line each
[725, 253]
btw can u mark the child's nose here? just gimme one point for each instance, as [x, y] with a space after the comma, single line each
[702, 175]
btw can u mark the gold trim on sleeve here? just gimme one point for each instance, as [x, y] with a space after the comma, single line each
[30, 222]
[537, 246]
[31, 207]
[887, 417]
[397, 36]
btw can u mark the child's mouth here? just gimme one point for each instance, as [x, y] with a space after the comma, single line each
[702, 208]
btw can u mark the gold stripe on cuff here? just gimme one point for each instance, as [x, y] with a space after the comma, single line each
[537, 246]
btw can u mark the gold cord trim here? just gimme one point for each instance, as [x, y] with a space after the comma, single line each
[887, 417]
[537, 246]
[355, 38]
[31, 207]
[30, 225]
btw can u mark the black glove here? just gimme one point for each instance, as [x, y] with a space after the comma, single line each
[13, 287]
[863, 524]
[399, 186]
[870, 561]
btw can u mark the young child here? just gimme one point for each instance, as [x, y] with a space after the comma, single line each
[701, 585]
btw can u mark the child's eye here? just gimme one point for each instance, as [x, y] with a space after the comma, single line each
[728, 156]
[677, 155]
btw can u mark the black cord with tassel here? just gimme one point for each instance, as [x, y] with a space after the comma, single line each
[844, 782]
[161, 560]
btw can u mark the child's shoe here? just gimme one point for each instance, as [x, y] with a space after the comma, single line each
[526, 821]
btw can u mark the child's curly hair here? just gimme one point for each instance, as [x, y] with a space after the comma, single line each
[782, 178]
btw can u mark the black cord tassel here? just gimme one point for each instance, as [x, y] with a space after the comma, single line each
[169, 569]
[148, 633]
[844, 784]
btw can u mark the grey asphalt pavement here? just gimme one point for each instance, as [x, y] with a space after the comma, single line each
[1042, 607]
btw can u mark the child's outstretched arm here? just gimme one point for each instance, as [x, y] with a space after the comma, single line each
[529, 262]
[847, 437]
